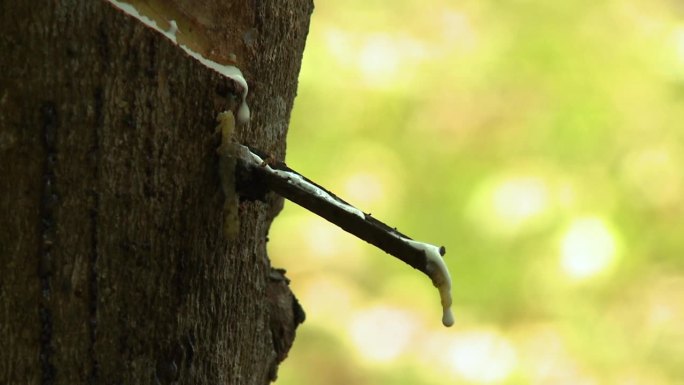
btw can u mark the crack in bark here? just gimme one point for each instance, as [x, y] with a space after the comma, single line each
[49, 198]
[94, 233]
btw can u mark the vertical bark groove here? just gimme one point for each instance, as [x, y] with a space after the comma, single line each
[49, 123]
[95, 155]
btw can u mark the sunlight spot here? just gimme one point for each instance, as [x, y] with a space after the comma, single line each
[325, 242]
[388, 62]
[657, 174]
[327, 299]
[379, 61]
[660, 313]
[458, 30]
[544, 357]
[370, 177]
[482, 356]
[587, 248]
[322, 241]
[382, 333]
[518, 199]
[511, 204]
[665, 309]
[678, 42]
[364, 189]
[339, 44]
[567, 196]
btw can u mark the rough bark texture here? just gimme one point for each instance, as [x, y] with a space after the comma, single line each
[113, 265]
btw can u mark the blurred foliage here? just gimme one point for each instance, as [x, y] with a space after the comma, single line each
[540, 142]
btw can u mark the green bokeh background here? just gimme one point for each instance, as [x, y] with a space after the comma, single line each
[542, 143]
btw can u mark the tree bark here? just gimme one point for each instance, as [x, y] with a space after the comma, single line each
[113, 264]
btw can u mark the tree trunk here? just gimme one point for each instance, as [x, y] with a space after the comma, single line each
[113, 263]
